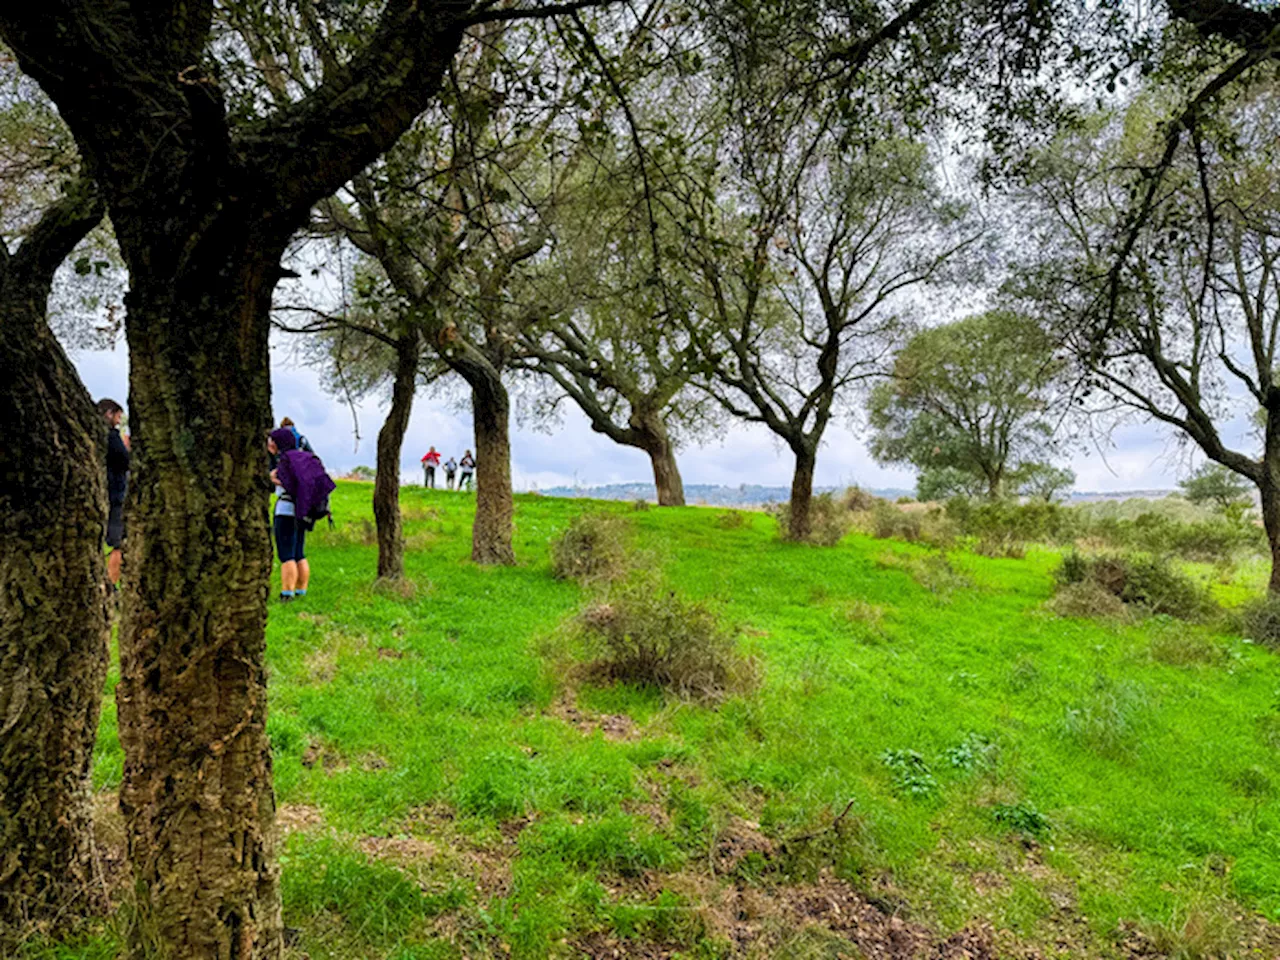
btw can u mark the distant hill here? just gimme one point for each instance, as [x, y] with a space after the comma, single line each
[745, 495]
[755, 495]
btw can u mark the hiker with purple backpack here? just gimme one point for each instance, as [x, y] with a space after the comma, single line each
[302, 497]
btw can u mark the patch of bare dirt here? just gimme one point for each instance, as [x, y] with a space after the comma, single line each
[739, 839]
[298, 817]
[387, 653]
[613, 726]
[401, 849]
[320, 753]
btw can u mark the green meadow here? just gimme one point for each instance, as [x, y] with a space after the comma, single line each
[928, 754]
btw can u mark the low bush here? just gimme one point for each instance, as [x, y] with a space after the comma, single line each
[594, 548]
[1010, 521]
[828, 520]
[647, 634]
[856, 500]
[930, 527]
[1151, 583]
[1261, 621]
[1087, 599]
[731, 520]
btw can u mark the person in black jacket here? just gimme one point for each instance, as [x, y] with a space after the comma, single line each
[118, 454]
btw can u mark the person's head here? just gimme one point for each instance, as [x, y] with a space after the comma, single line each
[467, 454]
[111, 411]
[432, 450]
[281, 440]
[286, 422]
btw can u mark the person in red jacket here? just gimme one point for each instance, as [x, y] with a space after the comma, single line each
[429, 464]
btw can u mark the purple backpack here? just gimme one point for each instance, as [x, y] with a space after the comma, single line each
[308, 484]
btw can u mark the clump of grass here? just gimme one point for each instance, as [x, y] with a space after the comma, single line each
[1197, 931]
[934, 572]
[594, 548]
[1150, 583]
[647, 634]
[828, 520]
[1261, 621]
[321, 876]
[641, 505]
[1181, 648]
[1107, 721]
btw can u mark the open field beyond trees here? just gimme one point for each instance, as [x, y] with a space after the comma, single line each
[930, 762]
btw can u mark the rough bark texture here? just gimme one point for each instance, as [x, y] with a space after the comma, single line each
[491, 533]
[802, 496]
[1270, 496]
[386, 486]
[203, 206]
[53, 602]
[666, 474]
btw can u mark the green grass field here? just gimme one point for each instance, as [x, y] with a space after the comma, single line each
[927, 745]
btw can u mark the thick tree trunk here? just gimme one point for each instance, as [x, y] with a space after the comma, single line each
[666, 474]
[53, 600]
[1269, 494]
[801, 525]
[491, 533]
[386, 486]
[197, 793]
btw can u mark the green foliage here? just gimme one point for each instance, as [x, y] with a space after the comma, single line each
[912, 776]
[649, 635]
[969, 405]
[1214, 484]
[1022, 817]
[1041, 481]
[364, 473]
[593, 548]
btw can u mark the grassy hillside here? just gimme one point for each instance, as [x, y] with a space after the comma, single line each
[931, 761]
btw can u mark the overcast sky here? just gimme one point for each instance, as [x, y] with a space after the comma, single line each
[1142, 456]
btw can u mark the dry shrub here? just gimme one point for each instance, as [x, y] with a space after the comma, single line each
[930, 527]
[1087, 599]
[828, 520]
[1150, 583]
[647, 634]
[934, 572]
[640, 505]
[1261, 621]
[857, 500]
[1000, 547]
[731, 520]
[594, 548]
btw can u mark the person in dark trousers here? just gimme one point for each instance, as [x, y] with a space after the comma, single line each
[450, 472]
[429, 463]
[468, 465]
[290, 535]
[118, 455]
